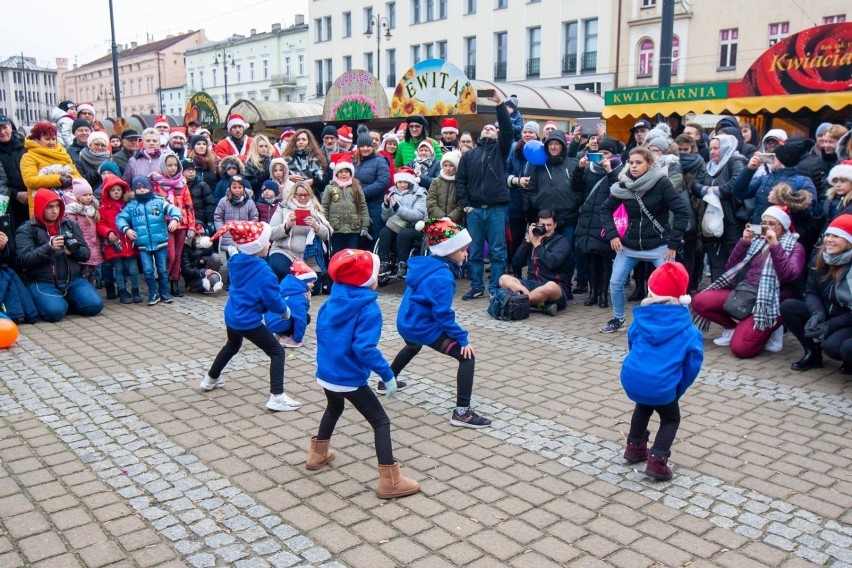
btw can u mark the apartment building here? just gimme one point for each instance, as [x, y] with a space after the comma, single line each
[27, 91]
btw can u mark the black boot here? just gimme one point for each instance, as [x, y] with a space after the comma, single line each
[592, 299]
[175, 289]
[811, 360]
[136, 296]
[110, 291]
[603, 299]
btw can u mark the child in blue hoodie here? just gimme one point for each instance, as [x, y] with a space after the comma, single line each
[296, 289]
[666, 352]
[349, 326]
[426, 315]
[254, 291]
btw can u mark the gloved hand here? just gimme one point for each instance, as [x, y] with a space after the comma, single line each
[366, 234]
[815, 327]
[65, 180]
[390, 387]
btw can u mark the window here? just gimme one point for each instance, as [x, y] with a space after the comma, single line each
[251, 70]
[391, 57]
[239, 72]
[318, 28]
[442, 9]
[728, 48]
[368, 62]
[834, 19]
[500, 4]
[470, 57]
[430, 10]
[287, 69]
[191, 83]
[534, 51]
[368, 17]
[200, 78]
[470, 6]
[390, 10]
[442, 50]
[301, 65]
[347, 24]
[646, 58]
[347, 63]
[320, 83]
[328, 28]
[569, 59]
[131, 87]
[501, 45]
[778, 31]
[415, 54]
[215, 74]
[430, 50]
[590, 44]
[415, 11]
[649, 3]
[675, 54]
[265, 64]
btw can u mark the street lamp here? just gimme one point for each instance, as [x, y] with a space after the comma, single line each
[225, 56]
[380, 22]
[104, 95]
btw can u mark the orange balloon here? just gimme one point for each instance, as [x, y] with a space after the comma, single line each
[8, 333]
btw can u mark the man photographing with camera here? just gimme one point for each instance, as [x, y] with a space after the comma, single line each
[50, 249]
[546, 255]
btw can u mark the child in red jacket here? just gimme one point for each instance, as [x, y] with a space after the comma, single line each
[119, 253]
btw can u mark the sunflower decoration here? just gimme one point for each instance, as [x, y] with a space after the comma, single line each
[409, 74]
[409, 107]
[440, 108]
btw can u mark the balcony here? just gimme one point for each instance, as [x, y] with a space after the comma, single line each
[590, 62]
[470, 71]
[500, 71]
[569, 64]
[533, 67]
[284, 79]
[320, 90]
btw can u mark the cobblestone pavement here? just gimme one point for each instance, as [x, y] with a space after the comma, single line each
[110, 456]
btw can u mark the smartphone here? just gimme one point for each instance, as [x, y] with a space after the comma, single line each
[484, 93]
[301, 215]
[766, 157]
[595, 157]
[757, 229]
[589, 126]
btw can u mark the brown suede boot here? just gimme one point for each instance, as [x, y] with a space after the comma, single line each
[319, 454]
[392, 484]
[637, 449]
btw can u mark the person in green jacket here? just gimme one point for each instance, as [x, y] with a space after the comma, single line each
[345, 206]
[417, 131]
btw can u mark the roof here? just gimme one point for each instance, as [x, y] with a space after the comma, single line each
[237, 39]
[14, 62]
[554, 101]
[275, 113]
[152, 47]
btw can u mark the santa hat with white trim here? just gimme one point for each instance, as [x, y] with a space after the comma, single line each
[405, 174]
[841, 226]
[341, 161]
[161, 120]
[354, 267]
[85, 107]
[249, 236]
[302, 271]
[780, 215]
[449, 124]
[842, 170]
[444, 236]
[237, 120]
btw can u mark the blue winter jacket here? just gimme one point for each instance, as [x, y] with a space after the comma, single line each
[747, 186]
[148, 219]
[373, 173]
[254, 291]
[426, 309]
[349, 326]
[666, 352]
[294, 292]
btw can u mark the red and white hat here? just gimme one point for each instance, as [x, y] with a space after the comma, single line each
[237, 120]
[670, 279]
[340, 161]
[428, 143]
[549, 124]
[400, 131]
[302, 271]
[780, 214]
[87, 106]
[841, 226]
[405, 174]
[249, 236]
[344, 134]
[177, 132]
[444, 236]
[161, 120]
[842, 170]
[449, 125]
[354, 267]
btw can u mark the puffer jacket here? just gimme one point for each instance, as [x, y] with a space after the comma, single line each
[551, 184]
[109, 210]
[202, 201]
[34, 162]
[246, 210]
[410, 206]
[148, 220]
[517, 166]
[481, 175]
[63, 121]
[225, 180]
[442, 201]
[88, 226]
[374, 175]
[587, 236]
[257, 175]
[343, 214]
[141, 164]
[292, 242]
[746, 186]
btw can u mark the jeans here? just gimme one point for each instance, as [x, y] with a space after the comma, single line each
[280, 264]
[266, 342]
[159, 258]
[122, 269]
[620, 272]
[487, 223]
[364, 400]
[79, 298]
[340, 241]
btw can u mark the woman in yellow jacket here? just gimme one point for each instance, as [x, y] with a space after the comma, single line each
[45, 164]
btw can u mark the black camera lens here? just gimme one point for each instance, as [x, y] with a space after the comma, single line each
[539, 230]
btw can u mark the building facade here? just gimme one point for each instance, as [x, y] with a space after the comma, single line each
[174, 100]
[145, 72]
[542, 43]
[267, 66]
[713, 41]
[27, 91]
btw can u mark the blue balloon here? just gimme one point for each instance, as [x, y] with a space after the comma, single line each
[534, 153]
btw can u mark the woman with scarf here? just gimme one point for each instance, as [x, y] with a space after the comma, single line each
[299, 230]
[169, 183]
[45, 164]
[147, 159]
[718, 178]
[763, 270]
[96, 152]
[373, 172]
[823, 321]
[648, 197]
[257, 164]
[306, 161]
[204, 158]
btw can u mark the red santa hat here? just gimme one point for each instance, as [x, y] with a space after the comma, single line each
[400, 131]
[842, 170]
[249, 236]
[781, 214]
[405, 174]
[449, 125]
[841, 226]
[81, 107]
[550, 123]
[340, 161]
[237, 120]
[670, 279]
[302, 271]
[354, 267]
[344, 134]
[428, 143]
[161, 120]
[444, 236]
[177, 132]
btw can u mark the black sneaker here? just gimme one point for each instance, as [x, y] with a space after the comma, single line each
[473, 294]
[401, 270]
[399, 385]
[469, 419]
[550, 309]
[613, 325]
[153, 299]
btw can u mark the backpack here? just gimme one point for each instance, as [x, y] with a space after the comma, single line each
[508, 305]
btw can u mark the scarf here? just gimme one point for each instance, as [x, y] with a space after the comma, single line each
[304, 165]
[94, 159]
[843, 289]
[234, 200]
[728, 146]
[767, 307]
[442, 175]
[340, 182]
[75, 208]
[161, 179]
[629, 188]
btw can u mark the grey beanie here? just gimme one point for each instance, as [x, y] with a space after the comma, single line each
[532, 125]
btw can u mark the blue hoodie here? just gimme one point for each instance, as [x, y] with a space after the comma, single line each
[426, 310]
[254, 291]
[349, 326]
[666, 352]
[294, 292]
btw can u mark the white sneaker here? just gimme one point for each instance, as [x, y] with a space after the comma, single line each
[725, 338]
[209, 383]
[281, 403]
[776, 341]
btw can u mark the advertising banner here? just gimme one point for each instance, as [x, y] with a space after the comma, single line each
[201, 108]
[355, 95]
[433, 87]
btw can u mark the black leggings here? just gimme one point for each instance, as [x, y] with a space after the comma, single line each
[447, 346]
[669, 422]
[365, 402]
[266, 341]
[404, 241]
[838, 345]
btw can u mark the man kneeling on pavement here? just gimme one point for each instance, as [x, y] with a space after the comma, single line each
[546, 255]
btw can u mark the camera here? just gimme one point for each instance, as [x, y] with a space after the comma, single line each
[539, 230]
[116, 246]
[72, 245]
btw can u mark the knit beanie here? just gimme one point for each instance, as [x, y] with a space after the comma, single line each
[270, 184]
[793, 150]
[109, 167]
[329, 130]
[80, 187]
[97, 135]
[842, 170]
[670, 279]
[65, 105]
[249, 236]
[532, 125]
[80, 123]
[444, 236]
[512, 101]
[453, 157]
[187, 165]
[193, 140]
[609, 144]
[841, 226]
[354, 267]
[140, 182]
[822, 128]
[364, 139]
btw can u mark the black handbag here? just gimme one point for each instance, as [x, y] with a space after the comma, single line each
[740, 302]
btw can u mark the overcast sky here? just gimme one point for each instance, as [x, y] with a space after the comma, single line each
[47, 29]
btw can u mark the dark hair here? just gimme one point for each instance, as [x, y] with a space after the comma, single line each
[547, 214]
[42, 129]
[686, 139]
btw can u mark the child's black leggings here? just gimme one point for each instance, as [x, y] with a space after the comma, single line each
[444, 344]
[266, 341]
[669, 422]
[365, 402]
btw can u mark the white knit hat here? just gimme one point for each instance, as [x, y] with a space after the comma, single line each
[841, 171]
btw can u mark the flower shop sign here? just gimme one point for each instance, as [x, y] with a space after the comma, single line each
[433, 87]
[355, 95]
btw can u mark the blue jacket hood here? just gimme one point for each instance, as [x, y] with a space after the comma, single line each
[426, 310]
[291, 286]
[254, 291]
[350, 300]
[659, 323]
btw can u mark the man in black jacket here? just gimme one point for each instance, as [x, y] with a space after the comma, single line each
[547, 255]
[482, 192]
[11, 150]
